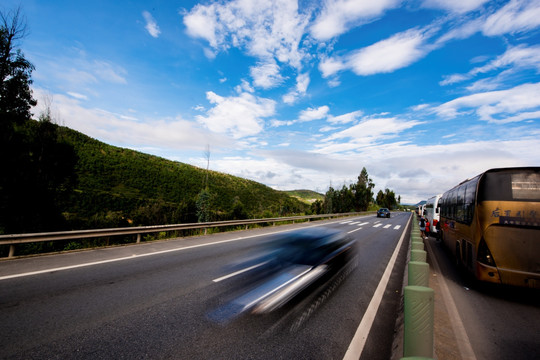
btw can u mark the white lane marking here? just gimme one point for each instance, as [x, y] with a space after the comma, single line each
[359, 340]
[348, 232]
[397, 227]
[387, 226]
[238, 272]
[377, 225]
[465, 347]
[362, 224]
[134, 256]
[345, 222]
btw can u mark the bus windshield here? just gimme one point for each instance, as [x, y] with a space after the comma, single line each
[510, 186]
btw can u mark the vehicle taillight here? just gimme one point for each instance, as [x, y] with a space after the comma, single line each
[484, 255]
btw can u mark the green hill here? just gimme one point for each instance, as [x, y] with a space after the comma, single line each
[307, 196]
[121, 187]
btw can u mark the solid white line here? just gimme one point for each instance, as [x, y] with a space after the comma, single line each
[465, 347]
[134, 256]
[359, 340]
[238, 272]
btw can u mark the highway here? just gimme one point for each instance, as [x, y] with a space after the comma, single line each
[154, 300]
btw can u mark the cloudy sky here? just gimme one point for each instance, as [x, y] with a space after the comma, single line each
[299, 95]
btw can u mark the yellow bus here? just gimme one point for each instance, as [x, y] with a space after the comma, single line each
[491, 225]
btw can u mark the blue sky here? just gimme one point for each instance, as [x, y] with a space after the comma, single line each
[299, 95]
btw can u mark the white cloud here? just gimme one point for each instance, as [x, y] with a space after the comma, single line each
[201, 22]
[515, 17]
[267, 29]
[501, 106]
[515, 58]
[302, 83]
[109, 72]
[393, 53]
[77, 95]
[125, 130]
[311, 114]
[345, 118]
[338, 16]
[388, 55]
[520, 56]
[151, 24]
[368, 132]
[239, 116]
[330, 66]
[456, 6]
[266, 75]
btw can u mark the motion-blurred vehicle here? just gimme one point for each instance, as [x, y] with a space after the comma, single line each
[383, 212]
[291, 263]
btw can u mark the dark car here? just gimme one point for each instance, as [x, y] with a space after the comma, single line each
[289, 265]
[383, 212]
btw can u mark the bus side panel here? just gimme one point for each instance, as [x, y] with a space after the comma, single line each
[512, 235]
[516, 252]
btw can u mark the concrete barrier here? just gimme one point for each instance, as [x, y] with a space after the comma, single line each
[418, 255]
[419, 304]
[418, 273]
[418, 329]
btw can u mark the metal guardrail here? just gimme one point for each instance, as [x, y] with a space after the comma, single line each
[14, 239]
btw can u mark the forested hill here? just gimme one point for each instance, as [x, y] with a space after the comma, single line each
[120, 187]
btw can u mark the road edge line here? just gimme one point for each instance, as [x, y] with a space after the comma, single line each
[358, 342]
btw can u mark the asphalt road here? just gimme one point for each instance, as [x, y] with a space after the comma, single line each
[498, 322]
[153, 300]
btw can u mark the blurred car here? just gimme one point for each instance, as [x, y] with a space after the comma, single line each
[291, 263]
[383, 212]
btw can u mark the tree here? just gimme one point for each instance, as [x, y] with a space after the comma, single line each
[15, 71]
[37, 166]
[386, 199]
[364, 191]
[203, 206]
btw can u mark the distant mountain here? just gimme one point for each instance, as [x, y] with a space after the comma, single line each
[121, 187]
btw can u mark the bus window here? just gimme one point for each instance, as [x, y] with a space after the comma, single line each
[506, 186]
[460, 203]
[470, 195]
[526, 186]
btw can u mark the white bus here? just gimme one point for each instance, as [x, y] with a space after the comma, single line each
[420, 210]
[432, 212]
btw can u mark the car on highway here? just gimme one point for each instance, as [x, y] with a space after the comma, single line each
[383, 212]
[290, 265]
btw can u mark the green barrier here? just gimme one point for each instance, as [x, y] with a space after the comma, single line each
[418, 255]
[415, 245]
[418, 273]
[418, 329]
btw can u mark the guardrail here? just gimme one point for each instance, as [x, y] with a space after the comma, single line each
[14, 239]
